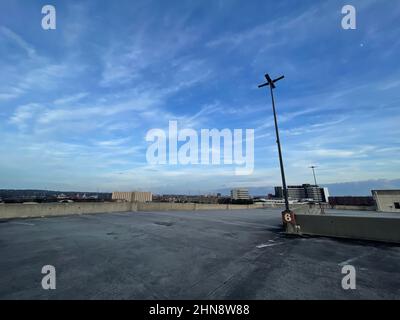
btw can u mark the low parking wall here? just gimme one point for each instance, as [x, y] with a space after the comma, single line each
[356, 208]
[374, 228]
[19, 210]
[60, 209]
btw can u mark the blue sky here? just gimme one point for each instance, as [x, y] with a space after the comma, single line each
[76, 102]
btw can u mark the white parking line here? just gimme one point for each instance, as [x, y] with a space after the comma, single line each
[346, 262]
[23, 223]
[264, 245]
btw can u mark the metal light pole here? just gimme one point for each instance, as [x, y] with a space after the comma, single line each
[313, 171]
[271, 84]
[316, 185]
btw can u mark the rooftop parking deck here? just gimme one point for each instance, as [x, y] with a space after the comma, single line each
[237, 254]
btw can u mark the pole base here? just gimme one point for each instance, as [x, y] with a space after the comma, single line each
[289, 222]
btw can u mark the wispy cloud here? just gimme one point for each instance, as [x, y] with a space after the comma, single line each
[19, 41]
[71, 98]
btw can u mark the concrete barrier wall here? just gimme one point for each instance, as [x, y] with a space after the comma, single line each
[385, 229]
[205, 206]
[60, 209]
[307, 208]
[248, 206]
[356, 208]
[315, 208]
[166, 206]
[295, 206]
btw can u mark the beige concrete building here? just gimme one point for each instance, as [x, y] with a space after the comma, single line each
[387, 200]
[240, 194]
[133, 196]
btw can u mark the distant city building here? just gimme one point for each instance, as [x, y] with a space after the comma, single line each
[133, 196]
[280, 202]
[240, 194]
[304, 192]
[387, 200]
[352, 201]
[294, 192]
[182, 198]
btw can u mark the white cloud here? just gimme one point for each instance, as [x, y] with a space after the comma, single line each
[71, 98]
[10, 93]
[11, 35]
[24, 115]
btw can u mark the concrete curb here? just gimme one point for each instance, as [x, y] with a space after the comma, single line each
[364, 227]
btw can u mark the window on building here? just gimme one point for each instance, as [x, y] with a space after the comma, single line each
[397, 205]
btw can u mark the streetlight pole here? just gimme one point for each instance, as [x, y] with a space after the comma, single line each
[313, 171]
[271, 84]
[316, 185]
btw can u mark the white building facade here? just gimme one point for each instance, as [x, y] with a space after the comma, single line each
[387, 200]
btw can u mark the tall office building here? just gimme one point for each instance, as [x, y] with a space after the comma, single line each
[305, 191]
